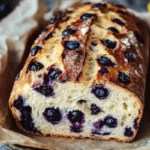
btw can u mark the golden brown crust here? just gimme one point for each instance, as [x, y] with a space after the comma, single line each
[74, 60]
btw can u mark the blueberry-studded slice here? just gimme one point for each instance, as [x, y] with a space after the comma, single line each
[128, 132]
[45, 90]
[18, 103]
[53, 74]
[88, 16]
[100, 92]
[35, 66]
[95, 109]
[109, 43]
[68, 32]
[110, 122]
[53, 115]
[123, 78]
[113, 29]
[76, 116]
[139, 37]
[105, 61]
[72, 45]
[118, 21]
[129, 56]
[103, 70]
[17, 76]
[35, 50]
[99, 5]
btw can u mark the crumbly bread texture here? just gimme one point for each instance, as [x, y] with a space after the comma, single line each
[84, 77]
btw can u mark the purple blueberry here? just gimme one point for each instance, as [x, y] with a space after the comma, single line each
[109, 43]
[129, 56]
[99, 5]
[87, 16]
[35, 50]
[124, 78]
[68, 32]
[95, 109]
[52, 20]
[113, 29]
[128, 132]
[139, 37]
[35, 66]
[18, 103]
[110, 122]
[135, 125]
[103, 70]
[76, 116]
[17, 76]
[100, 92]
[118, 21]
[53, 74]
[52, 115]
[76, 129]
[45, 90]
[99, 124]
[105, 61]
[72, 45]
[48, 37]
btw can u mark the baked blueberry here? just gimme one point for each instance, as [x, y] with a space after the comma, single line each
[72, 45]
[52, 20]
[17, 76]
[95, 109]
[45, 90]
[105, 61]
[48, 37]
[18, 103]
[76, 116]
[35, 66]
[129, 56]
[100, 92]
[99, 5]
[52, 115]
[99, 124]
[110, 122]
[139, 37]
[53, 74]
[123, 78]
[109, 43]
[35, 50]
[103, 70]
[135, 125]
[87, 16]
[76, 129]
[128, 132]
[68, 32]
[118, 21]
[113, 29]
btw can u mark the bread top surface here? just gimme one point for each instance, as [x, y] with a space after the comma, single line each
[89, 44]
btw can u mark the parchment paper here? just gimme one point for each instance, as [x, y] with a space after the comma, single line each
[12, 47]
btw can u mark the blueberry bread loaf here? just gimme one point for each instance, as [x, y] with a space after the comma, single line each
[85, 76]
